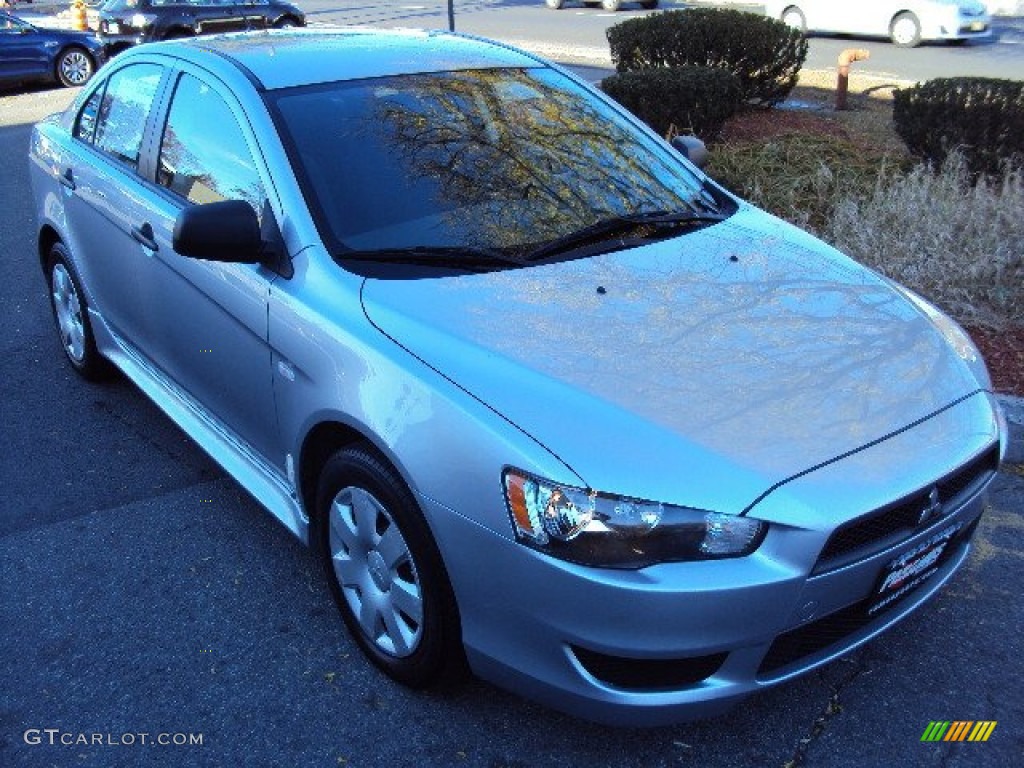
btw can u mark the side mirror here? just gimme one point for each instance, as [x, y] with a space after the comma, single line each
[225, 231]
[693, 149]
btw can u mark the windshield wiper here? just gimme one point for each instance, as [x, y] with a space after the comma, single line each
[662, 222]
[460, 257]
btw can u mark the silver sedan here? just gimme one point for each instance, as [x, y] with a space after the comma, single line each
[547, 402]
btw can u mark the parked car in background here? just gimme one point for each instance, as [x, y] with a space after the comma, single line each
[123, 23]
[542, 396]
[608, 5]
[905, 22]
[29, 53]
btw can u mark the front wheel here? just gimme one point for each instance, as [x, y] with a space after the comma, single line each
[286, 23]
[74, 67]
[71, 314]
[384, 570]
[905, 30]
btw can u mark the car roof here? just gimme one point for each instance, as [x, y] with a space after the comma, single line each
[293, 57]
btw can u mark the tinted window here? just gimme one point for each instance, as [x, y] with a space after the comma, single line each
[114, 117]
[204, 156]
[500, 159]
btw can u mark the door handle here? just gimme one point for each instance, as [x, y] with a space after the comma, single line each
[67, 179]
[144, 235]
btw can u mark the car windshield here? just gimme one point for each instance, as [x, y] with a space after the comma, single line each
[114, 6]
[498, 162]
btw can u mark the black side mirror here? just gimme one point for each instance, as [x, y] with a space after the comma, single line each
[692, 148]
[224, 231]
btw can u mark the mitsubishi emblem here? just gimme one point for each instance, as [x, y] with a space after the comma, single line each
[933, 509]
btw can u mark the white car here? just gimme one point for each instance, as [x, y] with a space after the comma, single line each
[905, 22]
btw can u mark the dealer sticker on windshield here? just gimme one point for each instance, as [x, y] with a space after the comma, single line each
[912, 568]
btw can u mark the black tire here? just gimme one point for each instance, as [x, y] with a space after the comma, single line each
[399, 605]
[74, 67]
[71, 316]
[795, 18]
[648, 5]
[286, 22]
[177, 34]
[905, 30]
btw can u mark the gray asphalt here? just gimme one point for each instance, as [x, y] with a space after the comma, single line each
[142, 592]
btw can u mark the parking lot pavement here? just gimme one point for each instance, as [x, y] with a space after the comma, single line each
[195, 613]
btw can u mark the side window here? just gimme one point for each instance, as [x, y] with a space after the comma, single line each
[114, 117]
[204, 156]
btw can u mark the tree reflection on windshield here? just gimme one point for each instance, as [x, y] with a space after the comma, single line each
[485, 159]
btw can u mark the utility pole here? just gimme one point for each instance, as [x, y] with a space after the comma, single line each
[451, 15]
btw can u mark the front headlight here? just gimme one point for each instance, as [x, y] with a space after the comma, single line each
[142, 20]
[599, 529]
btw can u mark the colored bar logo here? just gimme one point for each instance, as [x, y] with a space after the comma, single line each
[959, 730]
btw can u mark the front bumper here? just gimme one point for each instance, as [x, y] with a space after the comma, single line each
[960, 28]
[679, 641]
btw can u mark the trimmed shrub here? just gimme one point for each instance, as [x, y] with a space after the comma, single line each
[980, 117]
[694, 100]
[764, 54]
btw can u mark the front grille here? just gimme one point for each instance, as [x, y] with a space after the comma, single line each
[649, 674]
[834, 629]
[888, 526]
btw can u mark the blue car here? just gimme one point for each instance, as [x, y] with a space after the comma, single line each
[29, 53]
[544, 399]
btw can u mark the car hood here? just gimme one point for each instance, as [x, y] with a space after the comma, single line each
[700, 370]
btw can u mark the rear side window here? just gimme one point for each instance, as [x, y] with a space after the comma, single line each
[114, 117]
[204, 156]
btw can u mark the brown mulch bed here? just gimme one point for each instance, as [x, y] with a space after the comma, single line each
[759, 125]
[1004, 353]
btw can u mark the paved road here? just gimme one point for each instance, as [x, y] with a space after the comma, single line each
[578, 33]
[141, 592]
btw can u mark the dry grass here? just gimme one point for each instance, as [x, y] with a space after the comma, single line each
[847, 177]
[961, 244]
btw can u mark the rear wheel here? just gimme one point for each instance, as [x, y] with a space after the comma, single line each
[905, 30]
[385, 571]
[74, 67]
[648, 5]
[71, 314]
[794, 18]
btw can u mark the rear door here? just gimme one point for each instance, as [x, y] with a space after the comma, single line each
[106, 199]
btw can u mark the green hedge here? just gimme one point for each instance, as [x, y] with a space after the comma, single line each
[694, 100]
[981, 117]
[764, 54]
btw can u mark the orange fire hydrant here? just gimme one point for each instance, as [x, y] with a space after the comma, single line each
[846, 58]
[78, 18]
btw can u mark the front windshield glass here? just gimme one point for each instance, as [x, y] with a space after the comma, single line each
[499, 160]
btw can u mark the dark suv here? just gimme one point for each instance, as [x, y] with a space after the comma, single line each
[128, 22]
